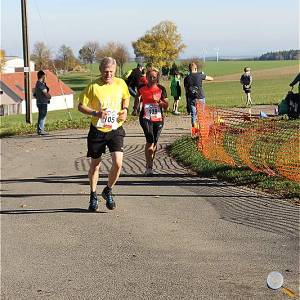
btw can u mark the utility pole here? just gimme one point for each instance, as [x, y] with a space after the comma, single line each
[27, 79]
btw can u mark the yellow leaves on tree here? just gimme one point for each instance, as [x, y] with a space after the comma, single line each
[2, 60]
[160, 45]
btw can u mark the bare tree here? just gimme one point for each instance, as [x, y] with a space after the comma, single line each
[41, 55]
[65, 58]
[87, 54]
[116, 50]
[107, 50]
[122, 56]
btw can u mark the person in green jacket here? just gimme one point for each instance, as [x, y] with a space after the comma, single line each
[176, 92]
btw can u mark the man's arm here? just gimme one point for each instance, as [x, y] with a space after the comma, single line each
[136, 104]
[88, 111]
[297, 79]
[124, 112]
[250, 80]
[47, 95]
[209, 78]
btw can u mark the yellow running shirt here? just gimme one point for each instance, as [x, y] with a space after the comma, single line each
[98, 95]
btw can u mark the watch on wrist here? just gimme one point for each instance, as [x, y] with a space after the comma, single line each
[125, 108]
[94, 113]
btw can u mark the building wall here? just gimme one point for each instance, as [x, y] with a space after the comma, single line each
[11, 64]
[10, 109]
[56, 103]
[9, 106]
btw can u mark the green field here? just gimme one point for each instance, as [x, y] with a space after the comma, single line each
[219, 68]
[214, 68]
[269, 90]
[229, 94]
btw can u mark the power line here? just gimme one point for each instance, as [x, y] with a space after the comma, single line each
[54, 67]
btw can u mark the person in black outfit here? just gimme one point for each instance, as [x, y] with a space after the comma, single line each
[246, 81]
[43, 97]
[133, 80]
[194, 90]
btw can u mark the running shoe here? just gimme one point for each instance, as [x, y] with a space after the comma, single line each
[149, 172]
[93, 202]
[107, 195]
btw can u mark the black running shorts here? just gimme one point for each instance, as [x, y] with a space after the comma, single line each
[151, 130]
[98, 140]
[247, 90]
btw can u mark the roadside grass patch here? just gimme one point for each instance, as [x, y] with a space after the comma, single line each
[185, 151]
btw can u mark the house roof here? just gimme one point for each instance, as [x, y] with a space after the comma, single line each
[15, 82]
[12, 57]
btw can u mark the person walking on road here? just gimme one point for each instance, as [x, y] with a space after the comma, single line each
[153, 97]
[43, 97]
[107, 101]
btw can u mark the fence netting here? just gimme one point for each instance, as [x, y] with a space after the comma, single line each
[268, 145]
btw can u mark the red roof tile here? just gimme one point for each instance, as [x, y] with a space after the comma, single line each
[15, 82]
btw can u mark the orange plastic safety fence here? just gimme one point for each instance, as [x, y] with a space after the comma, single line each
[270, 145]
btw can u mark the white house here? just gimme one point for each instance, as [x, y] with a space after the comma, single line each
[15, 64]
[12, 93]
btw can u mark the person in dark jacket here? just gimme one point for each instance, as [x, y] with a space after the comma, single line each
[194, 90]
[42, 100]
[133, 80]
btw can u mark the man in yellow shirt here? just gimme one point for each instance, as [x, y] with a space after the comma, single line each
[107, 101]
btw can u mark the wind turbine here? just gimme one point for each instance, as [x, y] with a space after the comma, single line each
[217, 50]
[204, 54]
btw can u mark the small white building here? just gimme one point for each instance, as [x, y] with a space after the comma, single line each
[12, 93]
[15, 64]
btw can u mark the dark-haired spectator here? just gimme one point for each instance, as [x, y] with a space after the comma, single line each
[133, 79]
[43, 97]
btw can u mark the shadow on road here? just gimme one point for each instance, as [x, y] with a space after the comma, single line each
[47, 211]
[234, 205]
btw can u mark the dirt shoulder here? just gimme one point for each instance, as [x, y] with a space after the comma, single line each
[262, 74]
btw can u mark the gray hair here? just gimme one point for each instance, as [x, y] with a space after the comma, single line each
[107, 61]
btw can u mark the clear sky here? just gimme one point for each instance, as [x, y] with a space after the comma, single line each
[235, 27]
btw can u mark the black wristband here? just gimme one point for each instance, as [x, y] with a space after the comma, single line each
[125, 108]
[94, 113]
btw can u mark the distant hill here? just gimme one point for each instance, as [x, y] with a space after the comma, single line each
[281, 55]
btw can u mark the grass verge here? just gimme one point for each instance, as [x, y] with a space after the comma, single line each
[185, 151]
[56, 120]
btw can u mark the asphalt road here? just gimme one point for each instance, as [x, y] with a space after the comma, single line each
[173, 236]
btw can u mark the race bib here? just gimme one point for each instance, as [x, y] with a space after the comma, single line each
[110, 121]
[152, 112]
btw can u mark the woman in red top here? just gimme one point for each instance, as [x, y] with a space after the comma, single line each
[154, 100]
